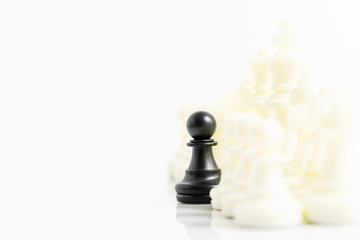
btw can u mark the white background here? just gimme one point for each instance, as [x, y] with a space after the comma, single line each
[89, 92]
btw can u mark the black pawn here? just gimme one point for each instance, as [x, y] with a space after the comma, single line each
[202, 173]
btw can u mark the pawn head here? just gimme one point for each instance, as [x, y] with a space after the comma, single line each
[201, 125]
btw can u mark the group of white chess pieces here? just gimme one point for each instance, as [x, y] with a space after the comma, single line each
[287, 148]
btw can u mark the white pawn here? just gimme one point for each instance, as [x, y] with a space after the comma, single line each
[309, 156]
[244, 170]
[235, 145]
[237, 190]
[268, 201]
[230, 148]
[335, 196]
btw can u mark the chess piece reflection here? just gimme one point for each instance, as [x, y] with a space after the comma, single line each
[196, 219]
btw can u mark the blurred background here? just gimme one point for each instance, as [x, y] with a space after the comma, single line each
[89, 94]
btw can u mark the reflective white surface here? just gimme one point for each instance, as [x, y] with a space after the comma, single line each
[137, 205]
[203, 223]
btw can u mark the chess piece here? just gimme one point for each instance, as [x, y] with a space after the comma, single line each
[268, 201]
[302, 119]
[309, 155]
[182, 158]
[262, 79]
[285, 69]
[234, 129]
[237, 190]
[202, 173]
[243, 171]
[334, 196]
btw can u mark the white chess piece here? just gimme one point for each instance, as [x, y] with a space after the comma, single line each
[228, 103]
[262, 79]
[230, 148]
[309, 155]
[301, 119]
[268, 201]
[244, 170]
[335, 195]
[237, 190]
[236, 144]
[285, 69]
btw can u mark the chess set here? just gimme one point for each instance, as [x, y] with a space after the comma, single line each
[284, 150]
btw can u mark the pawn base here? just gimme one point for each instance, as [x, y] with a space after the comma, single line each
[332, 209]
[269, 212]
[193, 199]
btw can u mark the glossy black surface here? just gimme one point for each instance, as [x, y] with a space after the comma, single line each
[201, 125]
[202, 173]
